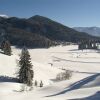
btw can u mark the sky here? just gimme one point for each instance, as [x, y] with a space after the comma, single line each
[72, 13]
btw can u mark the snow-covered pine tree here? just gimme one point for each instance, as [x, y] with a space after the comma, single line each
[25, 73]
[6, 47]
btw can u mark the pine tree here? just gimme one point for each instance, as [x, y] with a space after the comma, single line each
[41, 84]
[6, 47]
[2, 45]
[35, 83]
[25, 73]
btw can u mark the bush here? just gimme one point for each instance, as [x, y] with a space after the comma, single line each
[64, 75]
[24, 87]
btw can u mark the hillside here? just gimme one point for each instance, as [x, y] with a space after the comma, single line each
[38, 31]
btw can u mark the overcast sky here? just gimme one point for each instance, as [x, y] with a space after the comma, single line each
[68, 12]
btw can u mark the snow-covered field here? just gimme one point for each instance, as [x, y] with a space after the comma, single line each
[47, 63]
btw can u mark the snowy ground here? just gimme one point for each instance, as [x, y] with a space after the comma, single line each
[47, 63]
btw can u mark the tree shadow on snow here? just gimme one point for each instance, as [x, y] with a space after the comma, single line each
[96, 96]
[77, 85]
[2, 52]
[85, 72]
[8, 79]
[74, 50]
[61, 59]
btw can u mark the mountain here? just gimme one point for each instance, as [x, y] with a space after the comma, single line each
[54, 30]
[5, 16]
[94, 31]
[38, 31]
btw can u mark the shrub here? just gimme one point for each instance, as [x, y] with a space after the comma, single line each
[64, 75]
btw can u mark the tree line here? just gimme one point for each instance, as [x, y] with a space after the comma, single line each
[88, 44]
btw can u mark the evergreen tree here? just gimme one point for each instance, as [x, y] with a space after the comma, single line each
[2, 45]
[25, 73]
[41, 84]
[6, 47]
[35, 83]
[81, 45]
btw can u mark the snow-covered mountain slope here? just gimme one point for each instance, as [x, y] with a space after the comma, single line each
[83, 85]
[4, 16]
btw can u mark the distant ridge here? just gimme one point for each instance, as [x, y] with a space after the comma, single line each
[94, 31]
